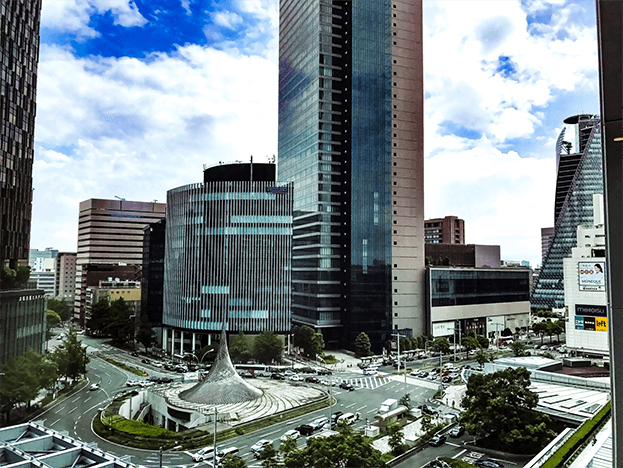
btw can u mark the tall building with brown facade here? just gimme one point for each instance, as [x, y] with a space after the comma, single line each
[448, 230]
[110, 243]
[351, 139]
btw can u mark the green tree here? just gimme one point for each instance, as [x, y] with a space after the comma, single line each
[345, 449]
[396, 439]
[518, 348]
[363, 347]
[145, 334]
[501, 404]
[558, 327]
[100, 316]
[52, 318]
[60, 306]
[469, 343]
[483, 342]
[405, 400]
[71, 357]
[15, 279]
[287, 446]
[268, 456]
[239, 348]
[540, 328]
[405, 344]
[309, 340]
[268, 347]
[426, 423]
[120, 324]
[233, 461]
[441, 345]
[481, 356]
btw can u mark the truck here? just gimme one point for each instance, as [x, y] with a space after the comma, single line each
[388, 405]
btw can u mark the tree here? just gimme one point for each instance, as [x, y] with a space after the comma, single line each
[483, 342]
[71, 357]
[481, 357]
[506, 332]
[405, 400]
[233, 461]
[501, 404]
[100, 315]
[363, 347]
[15, 279]
[396, 438]
[558, 327]
[540, 328]
[145, 334]
[441, 345]
[268, 347]
[52, 318]
[469, 343]
[60, 306]
[287, 446]
[426, 423]
[309, 340]
[268, 455]
[344, 449]
[239, 348]
[518, 348]
[120, 324]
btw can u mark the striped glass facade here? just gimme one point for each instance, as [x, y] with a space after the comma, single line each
[548, 291]
[228, 257]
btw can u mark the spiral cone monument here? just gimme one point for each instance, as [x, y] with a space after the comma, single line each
[223, 385]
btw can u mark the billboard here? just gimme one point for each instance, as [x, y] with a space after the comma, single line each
[443, 328]
[591, 276]
[591, 317]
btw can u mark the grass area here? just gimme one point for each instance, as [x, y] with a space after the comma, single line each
[120, 430]
[579, 437]
[455, 463]
[133, 370]
[330, 359]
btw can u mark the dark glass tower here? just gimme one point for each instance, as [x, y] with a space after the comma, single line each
[350, 138]
[19, 44]
[575, 210]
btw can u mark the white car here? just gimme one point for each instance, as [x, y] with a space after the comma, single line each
[348, 418]
[291, 434]
[94, 386]
[132, 383]
[206, 453]
[370, 371]
[295, 378]
[257, 448]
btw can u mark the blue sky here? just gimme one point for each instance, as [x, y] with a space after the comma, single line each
[135, 96]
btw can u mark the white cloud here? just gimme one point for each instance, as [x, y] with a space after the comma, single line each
[74, 15]
[226, 19]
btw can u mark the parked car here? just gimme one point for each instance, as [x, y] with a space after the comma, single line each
[348, 418]
[312, 379]
[457, 431]
[257, 448]
[437, 440]
[166, 380]
[319, 423]
[324, 372]
[370, 371]
[334, 417]
[225, 452]
[544, 348]
[347, 386]
[131, 383]
[295, 378]
[290, 434]
[427, 410]
[277, 376]
[135, 354]
[305, 429]
[145, 361]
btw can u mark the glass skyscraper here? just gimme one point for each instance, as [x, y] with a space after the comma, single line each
[576, 190]
[351, 140]
[19, 49]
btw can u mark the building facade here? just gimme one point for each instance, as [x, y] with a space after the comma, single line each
[65, 277]
[351, 140]
[464, 255]
[19, 45]
[129, 291]
[447, 230]
[36, 257]
[547, 234]
[577, 209]
[228, 249]
[22, 322]
[152, 278]
[480, 300]
[110, 243]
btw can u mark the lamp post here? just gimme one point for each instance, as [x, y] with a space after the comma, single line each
[160, 452]
[397, 335]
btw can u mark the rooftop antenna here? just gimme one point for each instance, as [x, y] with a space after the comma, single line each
[119, 198]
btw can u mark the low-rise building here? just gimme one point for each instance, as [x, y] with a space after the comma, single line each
[22, 322]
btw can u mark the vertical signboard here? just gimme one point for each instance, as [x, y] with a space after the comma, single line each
[591, 276]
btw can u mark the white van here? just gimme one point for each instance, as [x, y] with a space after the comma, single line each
[206, 453]
[348, 418]
[228, 451]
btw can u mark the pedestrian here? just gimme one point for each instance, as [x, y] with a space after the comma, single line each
[453, 403]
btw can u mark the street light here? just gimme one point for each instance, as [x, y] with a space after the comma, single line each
[160, 452]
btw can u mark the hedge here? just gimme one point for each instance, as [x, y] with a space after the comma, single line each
[123, 366]
[579, 436]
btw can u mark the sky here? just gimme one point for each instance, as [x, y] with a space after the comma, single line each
[135, 96]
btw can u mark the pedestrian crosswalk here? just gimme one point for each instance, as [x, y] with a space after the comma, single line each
[368, 382]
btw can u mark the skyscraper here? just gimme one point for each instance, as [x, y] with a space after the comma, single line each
[575, 210]
[351, 140]
[19, 45]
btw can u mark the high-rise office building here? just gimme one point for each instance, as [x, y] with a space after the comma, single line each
[547, 234]
[351, 140]
[447, 230]
[152, 278]
[65, 279]
[576, 210]
[110, 243]
[228, 250]
[19, 45]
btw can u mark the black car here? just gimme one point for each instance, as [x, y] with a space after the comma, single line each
[305, 429]
[488, 464]
[324, 372]
[427, 410]
[166, 379]
[145, 361]
[347, 386]
[334, 417]
[437, 440]
[277, 376]
[312, 380]
[135, 354]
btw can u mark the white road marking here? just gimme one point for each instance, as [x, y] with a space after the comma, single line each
[459, 454]
[87, 399]
[453, 444]
[271, 433]
[75, 407]
[55, 422]
[75, 399]
[359, 409]
[351, 405]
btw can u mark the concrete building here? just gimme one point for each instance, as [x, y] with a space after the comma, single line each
[464, 255]
[228, 256]
[577, 209]
[22, 322]
[19, 47]
[36, 258]
[351, 140]
[129, 291]
[447, 230]
[110, 243]
[585, 288]
[481, 300]
[65, 277]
